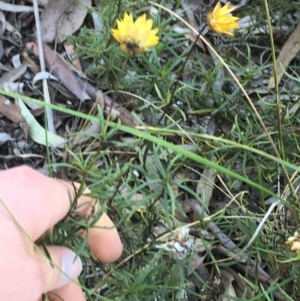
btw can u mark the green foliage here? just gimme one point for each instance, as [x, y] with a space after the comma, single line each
[144, 177]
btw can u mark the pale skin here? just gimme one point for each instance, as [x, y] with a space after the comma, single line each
[37, 203]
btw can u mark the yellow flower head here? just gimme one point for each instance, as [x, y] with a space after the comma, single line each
[220, 19]
[135, 37]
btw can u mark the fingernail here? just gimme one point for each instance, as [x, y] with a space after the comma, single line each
[71, 268]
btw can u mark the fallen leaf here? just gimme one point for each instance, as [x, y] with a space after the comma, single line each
[61, 69]
[23, 156]
[287, 53]
[31, 64]
[198, 273]
[197, 261]
[10, 110]
[37, 132]
[12, 75]
[190, 35]
[241, 287]
[227, 280]
[4, 137]
[2, 23]
[87, 133]
[62, 18]
[15, 8]
[41, 76]
[115, 110]
[205, 185]
[13, 30]
[71, 52]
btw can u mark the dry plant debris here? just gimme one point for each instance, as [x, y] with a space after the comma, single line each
[287, 53]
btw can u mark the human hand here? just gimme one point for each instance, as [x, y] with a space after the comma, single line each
[37, 203]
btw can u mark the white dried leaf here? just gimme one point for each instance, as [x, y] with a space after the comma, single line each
[4, 137]
[181, 245]
[37, 132]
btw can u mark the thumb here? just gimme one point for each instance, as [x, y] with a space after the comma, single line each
[60, 269]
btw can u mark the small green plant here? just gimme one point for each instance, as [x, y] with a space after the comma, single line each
[202, 150]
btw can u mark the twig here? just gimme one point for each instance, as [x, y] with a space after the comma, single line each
[15, 8]
[49, 114]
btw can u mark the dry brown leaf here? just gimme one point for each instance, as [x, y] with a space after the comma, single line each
[30, 62]
[197, 261]
[227, 280]
[61, 69]
[117, 111]
[287, 53]
[10, 110]
[241, 287]
[12, 75]
[190, 35]
[62, 18]
[179, 177]
[87, 133]
[73, 56]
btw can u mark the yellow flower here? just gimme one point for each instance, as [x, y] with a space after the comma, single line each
[220, 19]
[135, 37]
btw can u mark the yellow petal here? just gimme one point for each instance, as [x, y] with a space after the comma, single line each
[135, 37]
[220, 19]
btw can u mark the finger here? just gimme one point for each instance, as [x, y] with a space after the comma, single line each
[49, 201]
[104, 240]
[36, 201]
[20, 273]
[61, 269]
[69, 292]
